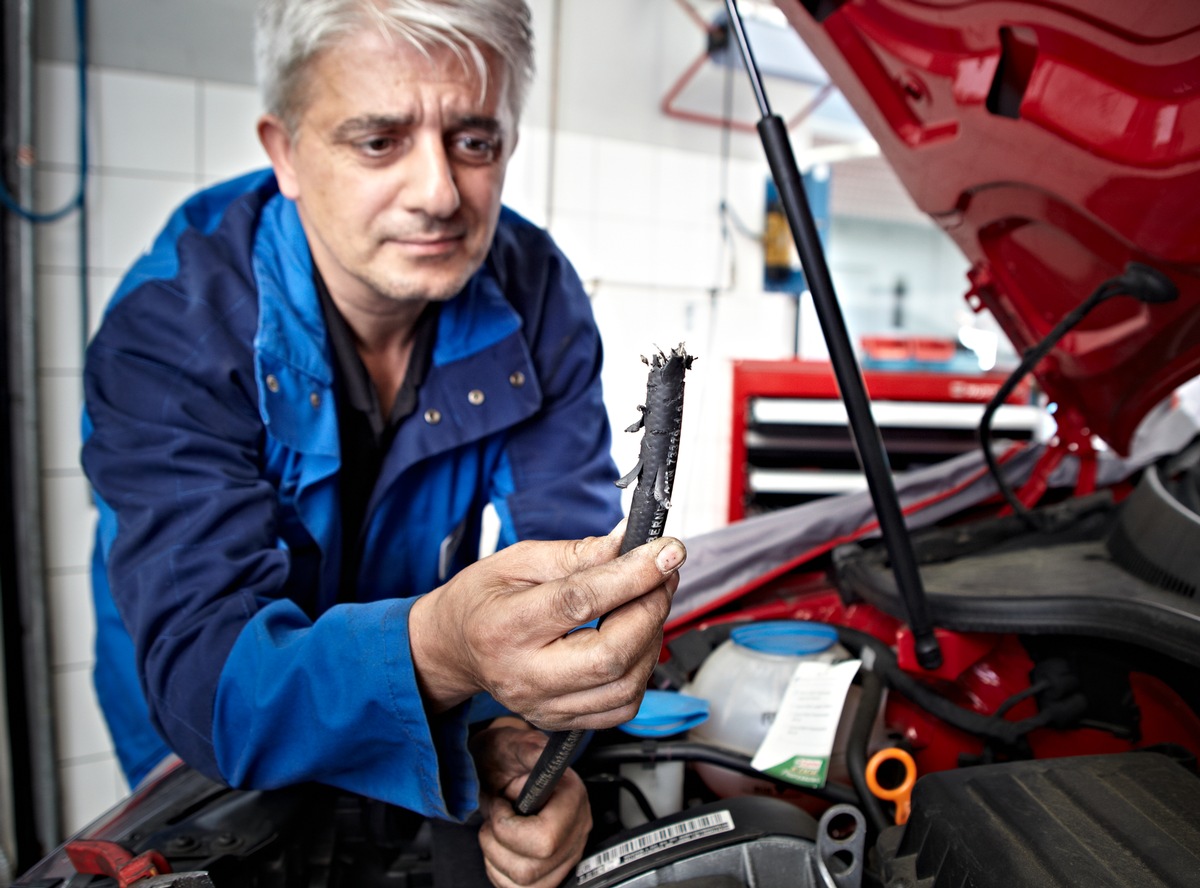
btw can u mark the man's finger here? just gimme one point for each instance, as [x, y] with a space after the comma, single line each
[592, 592]
[542, 848]
[517, 873]
[596, 708]
[530, 563]
[590, 670]
[506, 752]
[597, 656]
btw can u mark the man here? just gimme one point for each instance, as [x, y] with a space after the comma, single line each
[298, 404]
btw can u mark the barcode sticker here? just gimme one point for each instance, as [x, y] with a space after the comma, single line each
[649, 843]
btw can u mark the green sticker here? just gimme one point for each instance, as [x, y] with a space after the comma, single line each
[802, 770]
[799, 742]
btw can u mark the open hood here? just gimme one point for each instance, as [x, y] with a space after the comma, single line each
[1054, 142]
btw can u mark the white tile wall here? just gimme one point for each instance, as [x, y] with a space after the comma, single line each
[73, 623]
[228, 140]
[574, 174]
[686, 186]
[623, 180]
[131, 211]
[58, 413]
[56, 245]
[144, 124]
[91, 785]
[526, 184]
[624, 249]
[56, 124]
[688, 253]
[59, 308]
[81, 729]
[575, 234]
[70, 518]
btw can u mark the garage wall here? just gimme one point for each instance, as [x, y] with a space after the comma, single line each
[633, 196]
[154, 139]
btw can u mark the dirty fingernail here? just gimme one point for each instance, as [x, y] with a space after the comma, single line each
[670, 557]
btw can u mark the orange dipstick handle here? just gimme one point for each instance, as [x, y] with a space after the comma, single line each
[902, 794]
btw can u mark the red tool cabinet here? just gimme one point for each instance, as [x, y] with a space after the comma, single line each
[791, 439]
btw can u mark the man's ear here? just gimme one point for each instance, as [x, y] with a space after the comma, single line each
[277, 142]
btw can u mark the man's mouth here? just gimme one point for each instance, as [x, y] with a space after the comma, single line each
[429, 244]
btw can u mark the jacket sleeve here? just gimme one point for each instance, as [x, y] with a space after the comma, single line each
[558, 477]
[197, 570]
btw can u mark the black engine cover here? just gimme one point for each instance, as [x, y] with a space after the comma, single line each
[1099, 821]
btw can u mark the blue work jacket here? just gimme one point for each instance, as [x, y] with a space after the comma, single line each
[211, 441]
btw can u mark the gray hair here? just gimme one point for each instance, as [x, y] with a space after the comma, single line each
[290, 32]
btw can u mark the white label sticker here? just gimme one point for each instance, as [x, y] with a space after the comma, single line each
[800, 740]
[649, 843]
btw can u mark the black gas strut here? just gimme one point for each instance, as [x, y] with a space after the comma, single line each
[865, 433]
[661, 422]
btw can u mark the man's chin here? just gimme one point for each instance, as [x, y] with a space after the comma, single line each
[425, 287]
[430, 278]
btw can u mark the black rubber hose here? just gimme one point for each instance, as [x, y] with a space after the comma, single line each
[661, 422]
[635, 792]
[1144, 283]
[550, 766]
[1030, 360]
[857, 745]
[987, 726]
[689, 751]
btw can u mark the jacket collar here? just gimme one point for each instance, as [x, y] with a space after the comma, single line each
[293, 359]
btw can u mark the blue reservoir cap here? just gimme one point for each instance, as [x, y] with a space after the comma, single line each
[786, 637]
[664, 713]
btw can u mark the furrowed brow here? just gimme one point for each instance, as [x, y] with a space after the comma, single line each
[480, 122]
[370, 123]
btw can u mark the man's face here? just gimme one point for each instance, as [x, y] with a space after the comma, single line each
[396, 165]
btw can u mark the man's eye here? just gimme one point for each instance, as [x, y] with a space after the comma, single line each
[476, 149]
[376, 146]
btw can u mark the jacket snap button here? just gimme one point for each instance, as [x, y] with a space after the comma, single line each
[272, 382]
[517, 379]
[475, 396]
[314, 399]
[433, 417]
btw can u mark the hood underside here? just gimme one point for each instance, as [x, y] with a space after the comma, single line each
[1054, 143]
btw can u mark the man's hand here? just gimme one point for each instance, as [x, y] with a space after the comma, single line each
[537, 851]
[503, 625]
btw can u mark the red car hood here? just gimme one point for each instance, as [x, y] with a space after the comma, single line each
[1054, 142]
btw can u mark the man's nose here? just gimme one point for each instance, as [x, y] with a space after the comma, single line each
[431, 188]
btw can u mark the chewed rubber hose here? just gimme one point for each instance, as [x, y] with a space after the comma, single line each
[661, 422]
